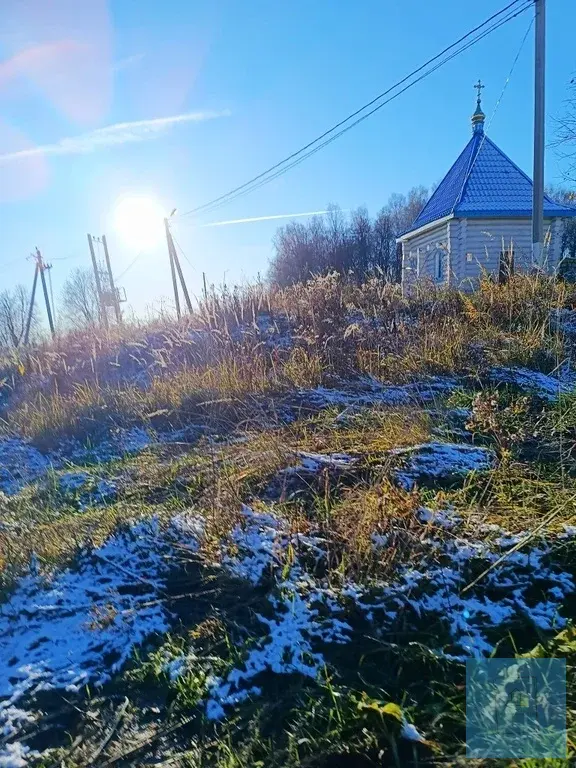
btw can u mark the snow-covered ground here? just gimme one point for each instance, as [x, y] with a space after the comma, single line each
[64, 630]
[542, 384]
[437, 462]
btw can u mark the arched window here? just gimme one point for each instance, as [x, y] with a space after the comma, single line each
[438, 264]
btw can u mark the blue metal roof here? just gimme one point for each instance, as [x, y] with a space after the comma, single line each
[484, 182]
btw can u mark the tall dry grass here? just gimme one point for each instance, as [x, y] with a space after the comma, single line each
[234, 347]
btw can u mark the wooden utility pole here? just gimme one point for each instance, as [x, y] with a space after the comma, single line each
[175, 268]
[539, 134]
[101, 305]
[41, 267]
[114, 295]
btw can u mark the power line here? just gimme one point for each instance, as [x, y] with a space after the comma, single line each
[329, 140]
[493, 115]
[512, 10]
[134, 260]
[182, 252]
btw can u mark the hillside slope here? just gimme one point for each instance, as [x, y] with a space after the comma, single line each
[273, 534]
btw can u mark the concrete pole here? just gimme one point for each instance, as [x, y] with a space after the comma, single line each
[31, 307]
[101, 304]
[114, 295]
[172, 269]
[539, 135]
[41, 268]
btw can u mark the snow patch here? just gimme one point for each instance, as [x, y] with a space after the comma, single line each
[20, 464]
[440, 461]
[434, 593]
[541, 384]
[16, 755]
[304, 613]
[314, 462]
[257, 546]
[444, 518]
[369, 391]
[65, 629]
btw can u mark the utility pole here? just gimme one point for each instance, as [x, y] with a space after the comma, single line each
[175, 268]
[539, 131]
[172, 269]
[101, 305]
[113, 292]
[41, 267]
[31, 307]
[181, 276]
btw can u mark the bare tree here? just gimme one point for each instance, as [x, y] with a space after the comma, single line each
[566, 134]
[350, 245]
[567, 267]
[80, 300]
[384, 245]
[360, 235]
[14, 306]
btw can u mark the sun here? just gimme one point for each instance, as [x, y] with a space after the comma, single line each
[139, 221]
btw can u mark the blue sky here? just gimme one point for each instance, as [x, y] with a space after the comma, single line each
[249, 82]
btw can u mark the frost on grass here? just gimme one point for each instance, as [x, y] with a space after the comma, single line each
[305, 613]
[314, 462]
[119, 444]
[541, 384]
[410, 732]
[369, 391]
[435, 462]
[259, 544]
[16, 755]
[66, 629]
[526, 589]
[564, 320]
[302, 476]
[87, 490]
[20, 463]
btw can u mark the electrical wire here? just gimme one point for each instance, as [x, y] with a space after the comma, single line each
[11, 264]
[182, 252]
[134, 260]
[489, 123]
[364, 117]
[512, 10]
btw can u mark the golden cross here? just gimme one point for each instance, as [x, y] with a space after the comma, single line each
[479, 87]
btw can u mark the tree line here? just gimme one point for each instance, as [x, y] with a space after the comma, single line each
[351, 244]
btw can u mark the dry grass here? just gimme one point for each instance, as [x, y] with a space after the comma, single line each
[368, 510]
[88, 383]
[87, 380]
[518, 497]
[370, 433]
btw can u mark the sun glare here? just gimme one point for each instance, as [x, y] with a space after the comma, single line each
[139, 221]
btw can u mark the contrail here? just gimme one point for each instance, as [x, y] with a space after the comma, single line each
[263, 218]
[113, 135]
